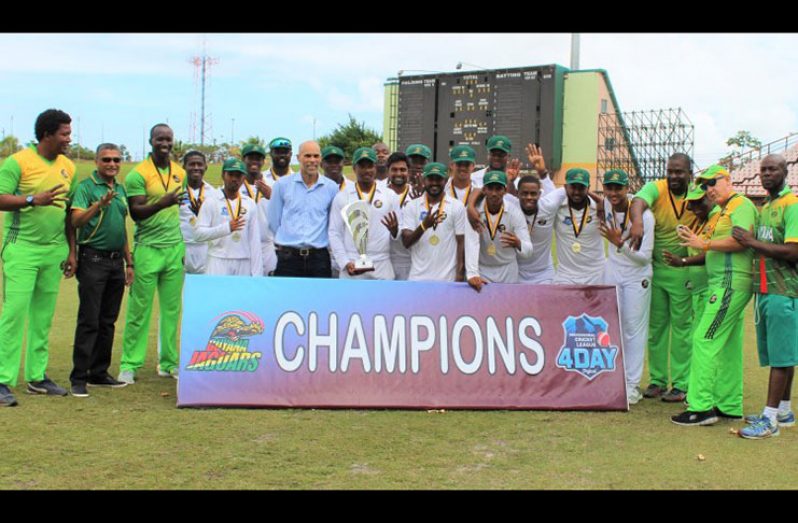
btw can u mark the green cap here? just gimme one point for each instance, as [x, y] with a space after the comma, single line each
[253, 148]
[695, 194]
[713, 171]
[500, 142]
[234, 164]
[577, 175]
[419, 149]
[616, 176]
[280, 142]
[332, 150]
[495, 177]
[435, 169]
[364, 153]
[462, 153]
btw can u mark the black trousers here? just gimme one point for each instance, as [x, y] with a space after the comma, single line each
[316, 264]
[101, 285]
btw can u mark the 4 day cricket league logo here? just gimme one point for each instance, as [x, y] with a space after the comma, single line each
[227, 348]
[587, 348]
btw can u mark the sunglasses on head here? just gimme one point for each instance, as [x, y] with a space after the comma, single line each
[709, 183]
[109, 160]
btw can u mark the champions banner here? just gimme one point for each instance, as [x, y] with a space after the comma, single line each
[292, 342]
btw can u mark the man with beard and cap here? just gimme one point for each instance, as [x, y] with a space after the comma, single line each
[716, 366]
[36, 184]
[382, 153]
[580, 248]
[669, 318]
[299, 214]
[461, 164]
[155, 188]
[418, 155]
[707, 214]
[775, 248]
[491, 254]
[332, 164]
[383, 228]
[398, 169]
[197, 190]
[630, 271]
[433, 229]
[256, 189]
[280, 150]
[229, 221]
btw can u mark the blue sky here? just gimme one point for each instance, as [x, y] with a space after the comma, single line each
[119, 85]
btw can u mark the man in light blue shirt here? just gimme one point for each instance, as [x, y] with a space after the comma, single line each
[298, 213]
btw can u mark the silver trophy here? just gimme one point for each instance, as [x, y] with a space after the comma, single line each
[356, 218]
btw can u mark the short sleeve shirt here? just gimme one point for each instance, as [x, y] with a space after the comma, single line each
[778, 223]
[732, 270]
[162, 229]
[106, 230]
[669, 211]
[27, 173]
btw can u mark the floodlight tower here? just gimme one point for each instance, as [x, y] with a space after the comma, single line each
[202, 73]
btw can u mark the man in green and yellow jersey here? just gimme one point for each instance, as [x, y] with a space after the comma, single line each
[670, 316]
[155, 188]
[716, 367]
[35, 187]
[776, 286]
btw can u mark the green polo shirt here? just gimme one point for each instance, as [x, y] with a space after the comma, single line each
[106, 230]
[778, 223]
[732, 270]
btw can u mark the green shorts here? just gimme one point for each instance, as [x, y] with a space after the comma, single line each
[777, 330]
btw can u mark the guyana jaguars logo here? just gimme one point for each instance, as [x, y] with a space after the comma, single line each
[227, 348]
[587, 347]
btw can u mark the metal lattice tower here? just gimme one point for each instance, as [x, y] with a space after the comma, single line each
[640, 142]
[202, 77]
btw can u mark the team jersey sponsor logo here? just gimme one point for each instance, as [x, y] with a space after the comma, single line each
[377, 203]
[228, 347]
[587, 348]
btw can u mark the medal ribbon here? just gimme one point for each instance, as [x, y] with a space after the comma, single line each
[468, 193]
[160, 176]
[440, 208]
[493, 227]
[403, 197]
[230, 207]
[196, 202]
[679, 213]
[258, 194]
[370, 194]
[626, 217]
[577, 232]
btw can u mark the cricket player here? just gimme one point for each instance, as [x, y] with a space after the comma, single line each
[490, 255]
[398, 169]
[670, 317]
[332, 165]
[383, 152]
[280, 153]
[418, 155]
[433, 229]
[461, 163]
[538, 268]
[197, 190]
[775, 247]
[256, 189]
[36, 184]
[229, 221]
[580, 248]
[630, 271]
[383, 228]
[155, 188]
[716, 369]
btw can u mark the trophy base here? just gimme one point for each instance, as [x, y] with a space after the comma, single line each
[363, 265]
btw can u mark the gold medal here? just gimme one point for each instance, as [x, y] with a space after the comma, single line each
[576, 247]
[492, 250]
[434, 240]
[236, 237]
[193, 221]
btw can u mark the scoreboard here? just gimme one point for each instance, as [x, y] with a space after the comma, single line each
[444, 110]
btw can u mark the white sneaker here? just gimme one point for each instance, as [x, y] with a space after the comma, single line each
[165, 374]
[634, 396]
[127, 376]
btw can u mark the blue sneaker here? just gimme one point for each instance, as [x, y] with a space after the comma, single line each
[787, 420]
[760, 429]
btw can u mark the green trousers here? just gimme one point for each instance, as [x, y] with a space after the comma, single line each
[716, 369]
[31, 280]
[699, 301]
[162, 269]
[669, 327]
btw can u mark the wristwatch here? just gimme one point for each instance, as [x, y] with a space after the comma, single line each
[29, 201]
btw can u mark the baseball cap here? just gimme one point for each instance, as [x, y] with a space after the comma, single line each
[435, 169]
[419, 150]
[280, 142]
[577, 175]
[462, 153]
[332, 150]
[234, 164]
[500, 142]
[364, 153]
[616, 176]
[495, 177]
[253, 148]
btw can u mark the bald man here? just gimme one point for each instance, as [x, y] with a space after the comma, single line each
[299, 217]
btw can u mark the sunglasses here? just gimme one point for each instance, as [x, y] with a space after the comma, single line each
[109, 160]
[710, 183]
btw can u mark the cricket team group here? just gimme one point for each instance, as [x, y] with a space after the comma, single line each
[686, 253]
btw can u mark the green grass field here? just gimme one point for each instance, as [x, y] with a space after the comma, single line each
[136, 438]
